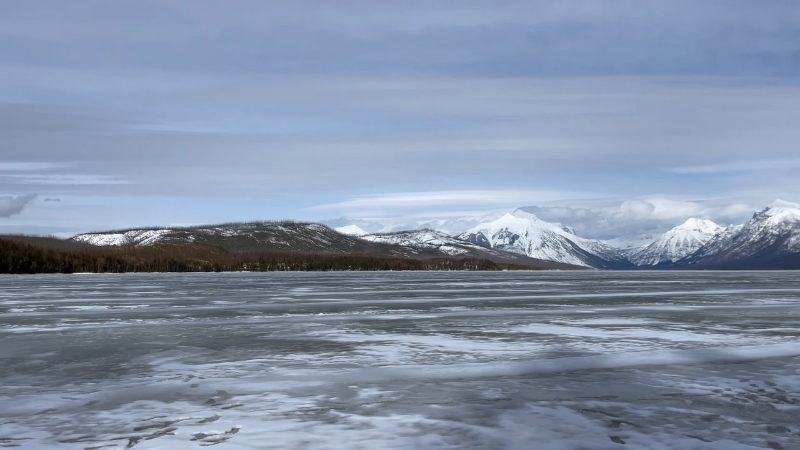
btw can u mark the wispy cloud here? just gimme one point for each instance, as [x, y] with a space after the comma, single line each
[64, 179]
[739, 166]
[438, 199]
[20, 166]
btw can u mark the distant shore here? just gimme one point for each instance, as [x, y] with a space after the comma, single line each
[21, 256]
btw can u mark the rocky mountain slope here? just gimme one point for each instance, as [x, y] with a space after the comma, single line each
[675, 244]
[770, 240]
[426, 241]
[526, 234]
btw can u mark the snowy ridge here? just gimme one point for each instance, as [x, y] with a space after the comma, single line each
[426, 239]
[131, 237]
[717, 243]
[777, 224]
[779, 213]
[247, 236]
[771, 235]
[677, 243]
[526, 234]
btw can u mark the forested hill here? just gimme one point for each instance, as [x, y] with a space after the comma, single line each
[308, 237]
[25, 255]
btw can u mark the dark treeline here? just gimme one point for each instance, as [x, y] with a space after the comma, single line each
[22, 258]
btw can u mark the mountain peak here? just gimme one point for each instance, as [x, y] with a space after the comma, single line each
[524, 233]
[771, 239]
[701, 225]
[780, 211]
[778, 203]
[676, 243]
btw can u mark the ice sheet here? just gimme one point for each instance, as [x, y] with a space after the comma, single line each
[513, 360]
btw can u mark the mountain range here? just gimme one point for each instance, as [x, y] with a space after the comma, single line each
[314, 238]
[769, 240]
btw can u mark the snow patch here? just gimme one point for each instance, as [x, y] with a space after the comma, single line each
[132, 237]
[351, 230]
[426, 239]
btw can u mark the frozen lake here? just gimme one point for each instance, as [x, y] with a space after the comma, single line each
[517, 360]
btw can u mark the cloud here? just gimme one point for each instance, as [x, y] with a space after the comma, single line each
[322, 106]
[29, 166]
[483, 38]
[66, 179]
[442, 202]
[639, 217]
[592, 218]
[738, 166]
[367, 134]
[598, 218]
[461, 220]
[10, 205]
[635, 210]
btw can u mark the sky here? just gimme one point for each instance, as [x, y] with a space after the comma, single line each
[617, 117]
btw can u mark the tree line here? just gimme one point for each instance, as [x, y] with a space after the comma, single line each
[25, 258]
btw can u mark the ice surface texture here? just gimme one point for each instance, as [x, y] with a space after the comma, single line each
[514, 360]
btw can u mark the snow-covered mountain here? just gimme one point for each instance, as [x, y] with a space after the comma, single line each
[526, 234]
[427, 241]
[351, 230]
[677, 243]
[770, 240]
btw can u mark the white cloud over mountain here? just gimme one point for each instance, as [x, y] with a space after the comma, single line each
[636, 219]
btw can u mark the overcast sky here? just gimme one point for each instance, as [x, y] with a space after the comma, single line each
[131, 113]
